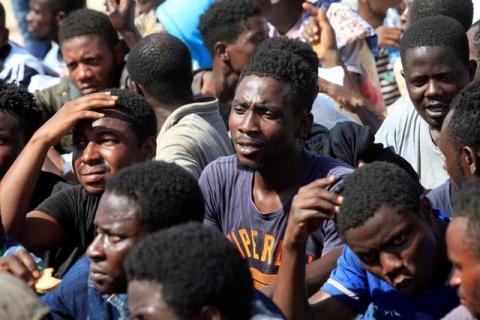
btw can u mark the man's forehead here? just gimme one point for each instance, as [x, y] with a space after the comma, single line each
[115, 210]
[111, 116]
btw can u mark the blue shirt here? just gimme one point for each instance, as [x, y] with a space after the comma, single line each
[78, 298]
[355, 287]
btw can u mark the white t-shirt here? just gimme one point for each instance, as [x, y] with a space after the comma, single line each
[409, 135]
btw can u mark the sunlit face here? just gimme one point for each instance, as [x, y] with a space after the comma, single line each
[42, 23]
[91, 64]
[466, 274]
[104, 146]
[434, 76]
[146, 302]
[245, 46]
[397, 248]
[12, 140]
[263, 122]
[118, 229]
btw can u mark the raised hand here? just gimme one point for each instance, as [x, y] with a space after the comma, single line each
[312, 205]
[21, 265]
[389, 37]
[320, 35]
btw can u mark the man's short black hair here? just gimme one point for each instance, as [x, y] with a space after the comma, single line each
[162, 65]
[22, 104]
[165, 193]
[66, 6]
[374, 186]
[436, 31]
[142, 119]
[88, 22]
[195, 266]
[467, 205]
[463, 126]
[225, 20]
[283, 65]
[460, 10]
[294, 46]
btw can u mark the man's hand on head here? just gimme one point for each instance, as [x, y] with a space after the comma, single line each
[312, 205]
[71, 113]
[22, 265]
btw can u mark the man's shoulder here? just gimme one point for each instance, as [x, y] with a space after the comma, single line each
[54, 97]
[323, 166]
[223, 166]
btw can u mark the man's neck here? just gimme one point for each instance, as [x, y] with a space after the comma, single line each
[442, 265]
[285, 15]
[435, 135]
[277, 184]
[224, 82]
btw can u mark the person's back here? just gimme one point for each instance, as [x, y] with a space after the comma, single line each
[192, 133]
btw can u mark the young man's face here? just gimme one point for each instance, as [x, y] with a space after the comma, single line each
[146, 301]
[397, 248]
[263, 122]
[41, 20]
[92, 65]
[466, 274]
[12, 140]
[434, 76]
[104, 146]
[118, 229]
[245, 46]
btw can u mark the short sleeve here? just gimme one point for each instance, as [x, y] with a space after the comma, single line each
[348, 282]
[61, 206]
[210, 185]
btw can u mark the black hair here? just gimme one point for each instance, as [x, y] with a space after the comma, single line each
[142, 119]
[22, 104]
[162, 65]
[467, 205]
[294, 46]
[290, 68]
[194, 266]
[225, 20]
[373, 186]
[432, 32]
[88, 22]
[165, 193]
[2, 16]
[66, 6]
[460, 10]
[463, 126]
[476, 38]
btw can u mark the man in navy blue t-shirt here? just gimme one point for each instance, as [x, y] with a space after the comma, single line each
[395, 265]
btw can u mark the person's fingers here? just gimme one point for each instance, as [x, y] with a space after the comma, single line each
[91, 115]
[29, 263]
[15, 266]
[309, 8]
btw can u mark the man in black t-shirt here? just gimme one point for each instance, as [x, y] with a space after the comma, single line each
[111, 130]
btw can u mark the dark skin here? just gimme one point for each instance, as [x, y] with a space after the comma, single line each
[44, 23]
[12, 140]
[373, 11]
[434, 76]
[283, 14]
[265, 128]
[401, 249]
[117, 229]
[474, 52]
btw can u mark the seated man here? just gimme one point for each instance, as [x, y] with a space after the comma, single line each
[462, 243]
[94, 57]
[248, 195]
[192, 133]
[17, 65]
[436, 67]
[231, 31]
[137, 201]
[395, 259]
[165, 282]
[110, 131]
[460, 143]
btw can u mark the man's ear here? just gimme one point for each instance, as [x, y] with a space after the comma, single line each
[208, 313]
[426, 209]
[119, 52]
[304, 124]
[149, 148]
[221, 51]
[137, 88]
[59, 17]
[469, 160]
[472, 68]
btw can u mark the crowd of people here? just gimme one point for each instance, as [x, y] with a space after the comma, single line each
[241, 159]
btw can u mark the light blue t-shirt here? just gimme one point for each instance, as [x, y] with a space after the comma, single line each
[355, 287]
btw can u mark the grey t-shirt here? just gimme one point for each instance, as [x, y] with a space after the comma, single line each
[441, 198]
[258, 236]
[409, 135]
